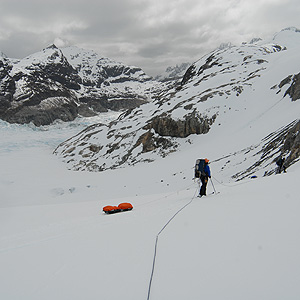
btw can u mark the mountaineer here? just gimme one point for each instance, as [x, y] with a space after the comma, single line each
[202, 171]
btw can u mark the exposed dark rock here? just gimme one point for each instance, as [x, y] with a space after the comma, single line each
[85, 111]
[285, 81]
[210, 62]
[294, 90]
[103, 104]
[63, 73]
[191, 72]
[97, 103]
[4, 104]
[282, 143]
[292, 144]
[7, 83]
[120, 104]
[193, 124]
[95, 148]
[151, 142]
[67, 111]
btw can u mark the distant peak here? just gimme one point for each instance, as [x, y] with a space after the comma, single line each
[52, 47]
[3, 54]
[255, 40]
[224, 46]
[294, 29]
[288, 36]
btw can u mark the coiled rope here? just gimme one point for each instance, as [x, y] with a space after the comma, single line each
[156, 241]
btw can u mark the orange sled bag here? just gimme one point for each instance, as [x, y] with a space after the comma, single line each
[125, 206]
[111, 209]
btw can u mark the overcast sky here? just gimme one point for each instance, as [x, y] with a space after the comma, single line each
[151, 34]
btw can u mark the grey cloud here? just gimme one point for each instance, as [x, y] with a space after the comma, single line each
[149, 34]
[152, 50]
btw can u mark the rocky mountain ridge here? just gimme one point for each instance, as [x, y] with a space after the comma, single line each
[239, 91]
[69, 82]
[173, 73]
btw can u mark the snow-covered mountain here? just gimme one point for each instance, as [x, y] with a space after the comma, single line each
[247, 95]
[66, 83]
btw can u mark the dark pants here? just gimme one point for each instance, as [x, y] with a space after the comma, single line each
[204, 180]
[280, 169]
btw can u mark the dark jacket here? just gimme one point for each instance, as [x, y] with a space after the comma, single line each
[207, 170]
[280, 162]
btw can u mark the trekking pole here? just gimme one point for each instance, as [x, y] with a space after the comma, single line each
[213, 185]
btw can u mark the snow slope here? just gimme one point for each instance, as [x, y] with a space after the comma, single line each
[55, 242]
[240, 91]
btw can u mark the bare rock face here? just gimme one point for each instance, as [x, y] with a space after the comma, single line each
[7, 85]
[292, 144]
[44, 113]
[151, 142]
[287, 143]
[165, 127]
[192, 124]
[284, 142]
[294, 90]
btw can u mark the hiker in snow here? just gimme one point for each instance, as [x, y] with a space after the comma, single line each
[281, 165]
[204, 178]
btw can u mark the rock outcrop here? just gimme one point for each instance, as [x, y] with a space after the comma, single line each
[284, 142]
[192, 124]
[294, 89]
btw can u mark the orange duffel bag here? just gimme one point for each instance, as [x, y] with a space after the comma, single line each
[109, 209]
[125, 206]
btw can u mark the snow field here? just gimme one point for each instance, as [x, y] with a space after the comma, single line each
[56, 243]
[239, 244]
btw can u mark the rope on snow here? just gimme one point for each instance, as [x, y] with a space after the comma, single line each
[156, 241]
